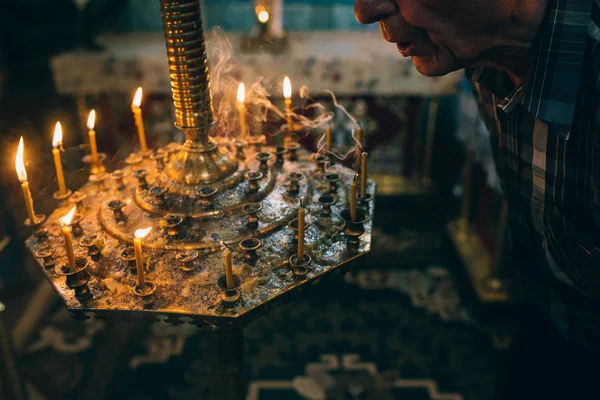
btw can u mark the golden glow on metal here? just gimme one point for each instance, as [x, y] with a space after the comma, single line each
[20, 166]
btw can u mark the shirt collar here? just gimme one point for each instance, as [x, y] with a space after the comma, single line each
[550, 90]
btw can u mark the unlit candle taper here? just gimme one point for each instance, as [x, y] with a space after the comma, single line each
[228, 268]
[353, 199]
[139, 120]
[139, 256]
[363, 176]
[328, 138]
[66, 231]
[56, 145]
[301, 228]
[22, 174]
[241, 98]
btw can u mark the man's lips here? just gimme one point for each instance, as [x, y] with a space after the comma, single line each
[417, 47]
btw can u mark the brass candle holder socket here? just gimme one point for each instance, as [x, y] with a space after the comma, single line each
[292, 149]
[240, 146]
[321, 160]
[94, 245]
[159, 195]
[118, 177]
[41, 234]
[294, 185]
[95, 167]
[127, 257]
[366, 201]
[134, 159]
[293, 226]
[146, 293]
[206, 195]
[354, 229]
[77, 198]
[141, 175]
[333, 179]
[252, 210]
[62, 196]
[263, 159]
[116, 206]
[76, 225]
[232, 295]
[326, 201]
[253, 177]
[77, 280]
[300, 267]
[38, 221]
[159, 156]
[279, 156]
[250, 246]
[99, 179]
[186, 260]
[46, 252]
[171, 223]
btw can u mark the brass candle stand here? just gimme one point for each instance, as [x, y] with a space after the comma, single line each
[199, 197]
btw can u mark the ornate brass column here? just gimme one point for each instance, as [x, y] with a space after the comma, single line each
[200, 161]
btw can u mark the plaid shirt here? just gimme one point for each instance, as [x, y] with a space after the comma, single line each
[546, 142]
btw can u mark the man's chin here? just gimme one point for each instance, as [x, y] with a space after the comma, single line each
[432, 66]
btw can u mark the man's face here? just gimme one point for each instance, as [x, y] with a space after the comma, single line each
[440, 35]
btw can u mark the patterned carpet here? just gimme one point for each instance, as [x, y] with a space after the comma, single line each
[399, 327]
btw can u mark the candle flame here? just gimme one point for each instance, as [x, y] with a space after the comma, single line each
[141, 233]
[58, 135]
[66, 220]
[137, 99]
[241, 93]
[91, 122]
[263, 16]
[20, 166]
[287, 88]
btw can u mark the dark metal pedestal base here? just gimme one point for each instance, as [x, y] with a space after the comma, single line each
[226, 358]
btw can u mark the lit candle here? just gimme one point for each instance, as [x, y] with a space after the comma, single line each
[92, 135]
[66, 231]
[139, 121]
[139, 255]
[228, 268]
[328, 138]
[353, 199]
[301, 228]
[363, 176]
[22, 174]
[241, 98]
[56, 144]
[287, 94]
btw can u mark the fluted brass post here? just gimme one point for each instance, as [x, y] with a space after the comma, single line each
[200, 161]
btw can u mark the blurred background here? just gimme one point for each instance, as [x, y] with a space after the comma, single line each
[430, 315]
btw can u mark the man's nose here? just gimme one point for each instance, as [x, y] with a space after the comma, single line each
[370, 11]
